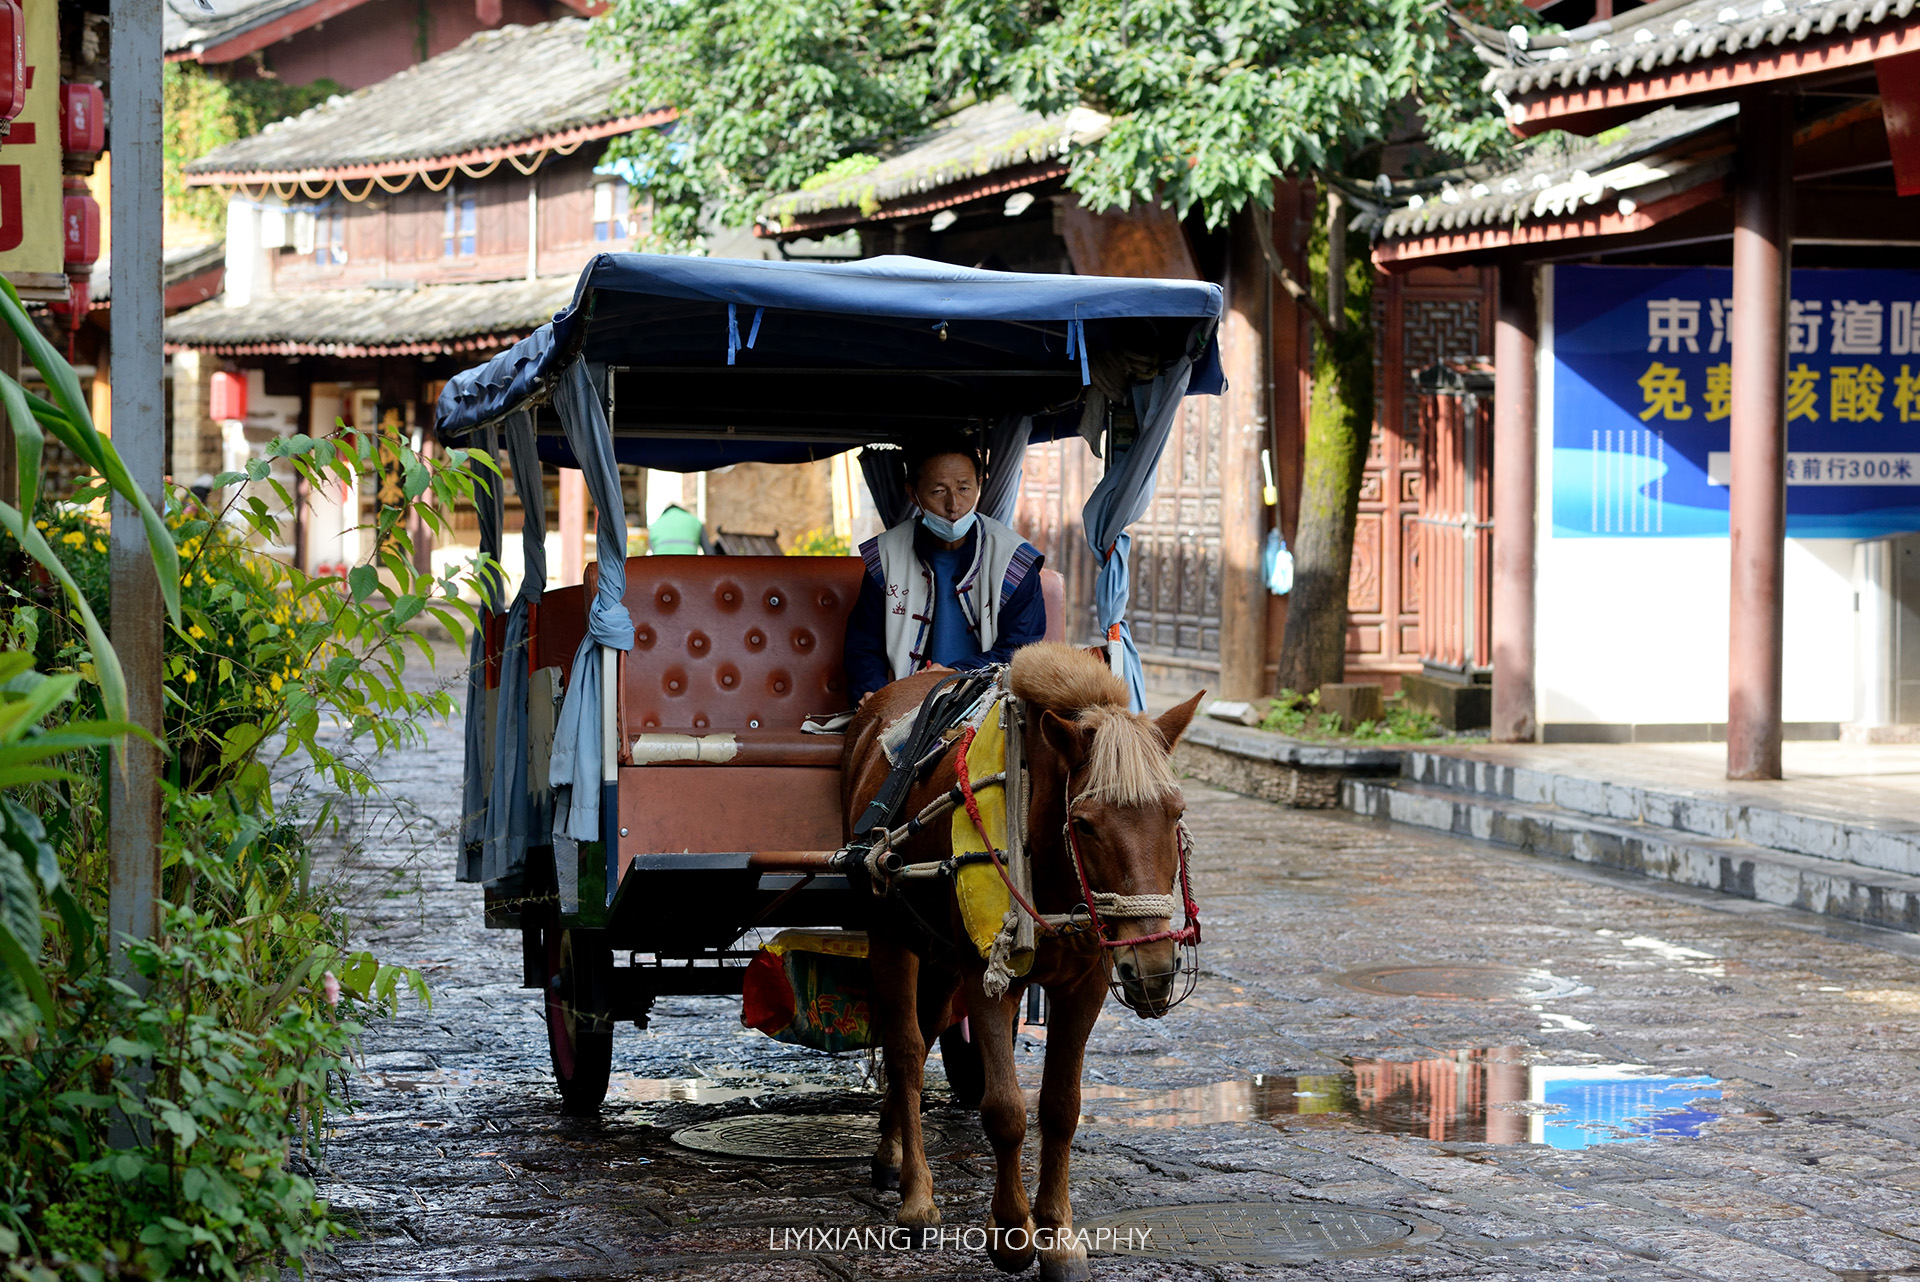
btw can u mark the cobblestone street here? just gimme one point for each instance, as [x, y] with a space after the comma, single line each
[1661, 1088]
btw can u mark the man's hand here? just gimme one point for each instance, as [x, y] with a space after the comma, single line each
[863, 700]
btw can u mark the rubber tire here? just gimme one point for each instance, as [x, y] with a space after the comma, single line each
[579, 1027]
[966, 1075]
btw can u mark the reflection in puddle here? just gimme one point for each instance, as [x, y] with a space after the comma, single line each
[1489, 1095]
[627, 1089]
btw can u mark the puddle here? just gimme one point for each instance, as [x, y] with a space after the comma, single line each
[1488, 1095]
[625, 1088]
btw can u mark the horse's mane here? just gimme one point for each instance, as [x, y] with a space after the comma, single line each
[1128, 763]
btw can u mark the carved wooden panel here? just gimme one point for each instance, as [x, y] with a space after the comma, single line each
[1363, 584]
[1176, 563]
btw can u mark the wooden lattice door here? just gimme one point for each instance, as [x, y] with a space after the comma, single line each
[1420, 318]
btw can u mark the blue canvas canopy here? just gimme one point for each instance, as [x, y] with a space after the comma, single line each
[704, 362]
[690, 364]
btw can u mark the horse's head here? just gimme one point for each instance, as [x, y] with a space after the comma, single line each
[1122, 830]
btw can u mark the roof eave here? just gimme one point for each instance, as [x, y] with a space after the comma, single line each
[1602, 103]
[947, 196]
[564, 141]
[1587, 225]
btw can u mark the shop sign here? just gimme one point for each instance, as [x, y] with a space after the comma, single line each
[31, 226]
[1643, 388]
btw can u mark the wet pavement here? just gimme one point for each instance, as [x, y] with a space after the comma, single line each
[1408, 1057]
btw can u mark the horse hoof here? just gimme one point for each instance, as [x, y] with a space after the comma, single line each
[1064, 1267]
[886, 1178]
[1001, 1251]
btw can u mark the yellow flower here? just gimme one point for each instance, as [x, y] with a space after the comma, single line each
[274, 683]
[40, 525]
[197, 633]
[73, 538]
[189, 676]
[98, 546]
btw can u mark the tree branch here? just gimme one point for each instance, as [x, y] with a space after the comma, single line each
[1263, 229]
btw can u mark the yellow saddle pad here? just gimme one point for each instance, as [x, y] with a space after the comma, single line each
[983, 895]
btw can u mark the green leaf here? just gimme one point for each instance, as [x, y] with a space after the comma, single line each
[406, 607]
[362, 582]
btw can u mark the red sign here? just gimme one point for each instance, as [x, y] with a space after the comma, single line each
[13, 59]
[83, 123]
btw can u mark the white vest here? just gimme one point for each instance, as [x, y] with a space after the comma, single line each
[1001, 559]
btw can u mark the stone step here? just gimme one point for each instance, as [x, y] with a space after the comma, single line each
[1660, 851]
[1885, 844]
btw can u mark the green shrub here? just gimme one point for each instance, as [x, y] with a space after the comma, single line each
[1299, 715]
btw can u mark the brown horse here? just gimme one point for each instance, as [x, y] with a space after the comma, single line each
[1105, 769]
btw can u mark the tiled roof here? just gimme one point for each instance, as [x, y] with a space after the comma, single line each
[1660, 154]
[497, 88]
[177, 263]
[376, 321]
[202, 22]
[1665, 34]
[971, 143]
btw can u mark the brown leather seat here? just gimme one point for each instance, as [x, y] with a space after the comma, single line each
[740, 643]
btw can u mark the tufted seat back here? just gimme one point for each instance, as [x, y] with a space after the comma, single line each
[736, 642]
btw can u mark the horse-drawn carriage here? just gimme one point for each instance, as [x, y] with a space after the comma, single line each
[642, 781]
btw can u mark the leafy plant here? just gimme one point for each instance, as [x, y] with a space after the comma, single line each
[202, 110]
[1299, 716]
[820, 542]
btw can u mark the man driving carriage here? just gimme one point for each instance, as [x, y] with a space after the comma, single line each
[949, 587]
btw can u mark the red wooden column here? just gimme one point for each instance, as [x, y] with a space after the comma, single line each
[1515, 472]
[1757, 499]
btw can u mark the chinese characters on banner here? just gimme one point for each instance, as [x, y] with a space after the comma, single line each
[30, 224]
[1643, 395]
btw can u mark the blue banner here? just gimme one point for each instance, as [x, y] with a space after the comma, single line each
[1642, 389]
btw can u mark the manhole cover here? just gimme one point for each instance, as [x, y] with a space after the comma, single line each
[1461, 983]
[1260, 1232]
[829, 1137]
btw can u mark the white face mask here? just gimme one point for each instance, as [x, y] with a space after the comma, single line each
[947, 531]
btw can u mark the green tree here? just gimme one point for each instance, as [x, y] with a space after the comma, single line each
[1212, 101]
[204, 111]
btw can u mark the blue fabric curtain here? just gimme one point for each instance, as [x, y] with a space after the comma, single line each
[473, 802]
[577, 765]
[512, 821]
[886, 474]
[1007, 455]
[1121, 498]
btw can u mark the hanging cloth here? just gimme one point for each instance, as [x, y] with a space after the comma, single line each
[476, 775]
[1119, 500]
[511, 805]
[578, 769]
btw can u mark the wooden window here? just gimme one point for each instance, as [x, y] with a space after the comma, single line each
[610, 209]
[461, 237]
[329, 236]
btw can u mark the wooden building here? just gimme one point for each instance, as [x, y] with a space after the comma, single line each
[1725, 545]
[381, 241]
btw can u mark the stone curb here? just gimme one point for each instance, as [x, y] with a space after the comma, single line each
[1732, 867]
[1891, 846]
[1255, 763]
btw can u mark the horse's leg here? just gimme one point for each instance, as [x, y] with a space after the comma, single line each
[896, 978]
[888, 959]
[1069, 1020]
[1003, 1114]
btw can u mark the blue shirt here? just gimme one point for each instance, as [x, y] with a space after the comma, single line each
[1023, 619]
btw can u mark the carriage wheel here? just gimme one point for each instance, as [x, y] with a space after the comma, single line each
[579, 1024]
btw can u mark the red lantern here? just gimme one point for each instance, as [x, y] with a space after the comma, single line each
[13, 59]
[228, 397]
[82, 223]
[78, 303]
[83, 118]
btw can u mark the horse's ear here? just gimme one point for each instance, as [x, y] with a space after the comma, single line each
[1067, 738]
[1174, 721]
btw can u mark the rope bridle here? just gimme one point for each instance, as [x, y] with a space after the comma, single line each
[1088, 916]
